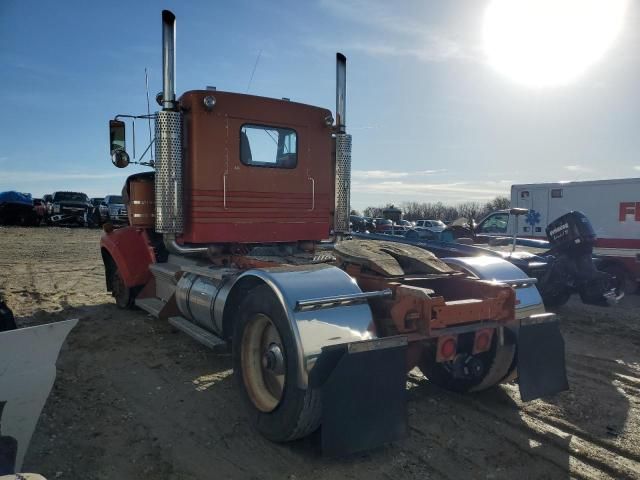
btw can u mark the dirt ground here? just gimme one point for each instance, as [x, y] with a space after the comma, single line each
[134, 400]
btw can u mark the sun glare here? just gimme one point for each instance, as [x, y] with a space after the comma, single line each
[542, 43]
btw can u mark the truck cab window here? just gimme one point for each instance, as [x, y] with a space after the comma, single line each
[265, 146]
[495, 224]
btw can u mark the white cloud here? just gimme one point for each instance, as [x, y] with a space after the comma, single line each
[637, 167]
[464, 190]
[430, 49]
[403, 35]
[384, 174]
[578, 168]
[31, 176]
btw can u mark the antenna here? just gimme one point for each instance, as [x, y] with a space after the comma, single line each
[254, 70]
[146, 84]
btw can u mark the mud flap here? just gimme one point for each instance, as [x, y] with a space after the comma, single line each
[364, 398]
[541, 360]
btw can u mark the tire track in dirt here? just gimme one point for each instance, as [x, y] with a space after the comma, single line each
[597, 458]
[483, 421]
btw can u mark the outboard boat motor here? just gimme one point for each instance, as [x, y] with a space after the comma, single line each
[572, 239]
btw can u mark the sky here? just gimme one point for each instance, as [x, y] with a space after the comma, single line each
[431, 118]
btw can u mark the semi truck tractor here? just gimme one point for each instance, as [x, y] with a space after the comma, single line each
[239, 235]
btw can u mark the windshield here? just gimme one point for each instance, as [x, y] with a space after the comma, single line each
[115, 199]
[69, 197]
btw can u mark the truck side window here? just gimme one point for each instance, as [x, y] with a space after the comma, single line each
[495, 224]
[264, 146]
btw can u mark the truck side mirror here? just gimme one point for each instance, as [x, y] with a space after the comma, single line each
[117, 140]
[117, 136]
[120, 158]
[518, 211]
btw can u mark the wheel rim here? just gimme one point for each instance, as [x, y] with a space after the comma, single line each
[263, 363]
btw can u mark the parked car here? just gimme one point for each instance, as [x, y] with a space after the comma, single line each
[433, 225]
[358, 224]
[16, 208]
[397, 230]
[40, 208]
[419, 233]
[113, 209]
[382, 224]
[69, 208]
[47, 200]
[406, 223]
[94, 218]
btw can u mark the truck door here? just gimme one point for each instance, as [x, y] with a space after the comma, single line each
[536, 200]
[494, 225]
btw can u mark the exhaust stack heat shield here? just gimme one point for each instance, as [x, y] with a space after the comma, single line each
[168, 180]
[343, 183]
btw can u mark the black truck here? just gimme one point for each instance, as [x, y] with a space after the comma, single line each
[69, 208]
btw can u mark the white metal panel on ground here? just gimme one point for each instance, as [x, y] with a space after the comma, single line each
[27, 372]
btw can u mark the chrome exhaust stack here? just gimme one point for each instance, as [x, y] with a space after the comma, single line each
[168, 144]
[343, 152]
[341, 92]
[168, 60]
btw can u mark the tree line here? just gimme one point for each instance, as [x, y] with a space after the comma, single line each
[439, 210]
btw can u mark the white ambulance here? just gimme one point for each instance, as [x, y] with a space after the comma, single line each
[612, 206]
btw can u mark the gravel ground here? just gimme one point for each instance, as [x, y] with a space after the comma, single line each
[134, 400]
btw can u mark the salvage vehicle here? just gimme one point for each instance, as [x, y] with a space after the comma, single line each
[113, 210]
[323, 330]
[93, 218]
[40, 208]
[16, 208]
[69, 208]
[357, 224]
[433, 225]
[421, 233]
[562, 266]
[47, 199]
[96, 201]
[612, 206]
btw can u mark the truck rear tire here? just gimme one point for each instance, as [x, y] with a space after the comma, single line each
[265, 364]
[497, 363]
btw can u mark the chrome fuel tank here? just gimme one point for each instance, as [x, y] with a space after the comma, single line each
[195, 298]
